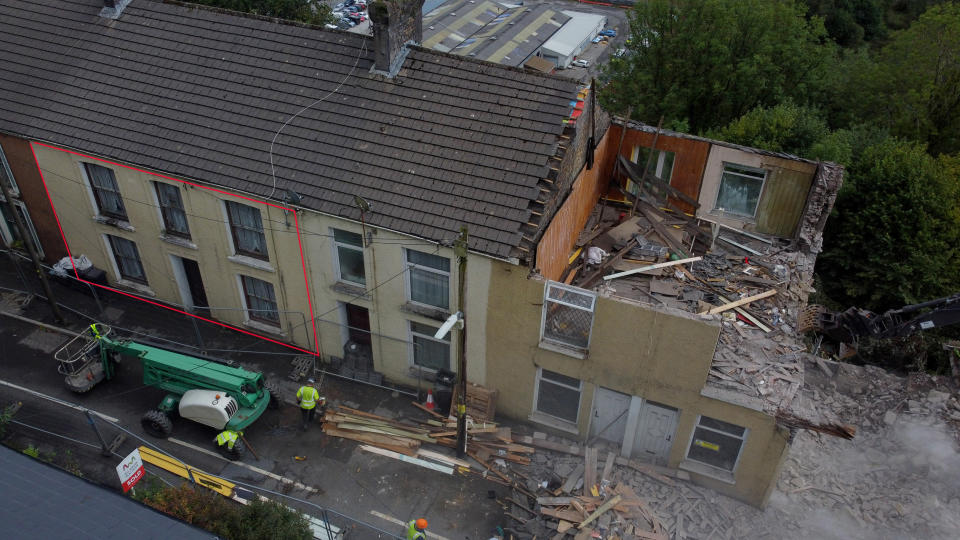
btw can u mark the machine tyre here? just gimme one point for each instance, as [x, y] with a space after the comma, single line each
[274, 393]
[238, 451]
[157, 423]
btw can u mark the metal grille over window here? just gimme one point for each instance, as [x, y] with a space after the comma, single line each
[717, 443]
[568, 315]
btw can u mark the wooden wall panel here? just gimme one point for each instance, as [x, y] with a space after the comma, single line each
[688, 165]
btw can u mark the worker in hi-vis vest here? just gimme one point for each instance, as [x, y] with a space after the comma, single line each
[228, 437]
[307, 397]
[416, 529]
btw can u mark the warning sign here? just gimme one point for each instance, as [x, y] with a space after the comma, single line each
[707, 445]
[130, 470]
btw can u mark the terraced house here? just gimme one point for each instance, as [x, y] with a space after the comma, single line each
[308, 186]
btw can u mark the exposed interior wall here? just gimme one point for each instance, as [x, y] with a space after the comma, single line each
[558, 241]
[34, 196]
[823, 193]
[781, 202]
[689, 161]
[658, 355]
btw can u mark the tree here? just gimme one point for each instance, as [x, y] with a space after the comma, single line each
[707, 62]
[785, 127]
[913, 86]
[850, 22]
[894, 238]
[306, 11]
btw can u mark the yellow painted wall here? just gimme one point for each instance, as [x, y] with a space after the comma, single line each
[383, 261]
[635, 349]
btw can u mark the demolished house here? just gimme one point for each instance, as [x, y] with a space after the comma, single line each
[662, 312]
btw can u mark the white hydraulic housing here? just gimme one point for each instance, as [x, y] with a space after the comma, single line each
[208, 407]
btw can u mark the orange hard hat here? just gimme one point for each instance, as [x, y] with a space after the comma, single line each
[421, 524]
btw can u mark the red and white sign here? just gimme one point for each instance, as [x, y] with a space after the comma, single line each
[130, 470]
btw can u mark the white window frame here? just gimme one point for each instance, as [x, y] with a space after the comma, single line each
[233, 256]
[693, 435]
[8, 234]
[414, 266]
[233, 243]
[536, 397]
[263, 324]
[412, 347]
[163, 220]
[658, 163]
[546, 304]
[763, 184]
[14, 188]
[336, 257]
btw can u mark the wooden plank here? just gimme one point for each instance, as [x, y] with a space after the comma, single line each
[481, 461]
[566, 515]
[590, 470]
[424, 409]
[609, 262]
[608, 467]
[651, 267]
[408, 459]
[440, 457]
[742, 301]
[557, 447]
[384, 430]
[554, 501]
[662, 231]
[571, 482]
[600, 511]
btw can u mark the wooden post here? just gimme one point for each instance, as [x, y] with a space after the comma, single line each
[460, 248]
[646, 168]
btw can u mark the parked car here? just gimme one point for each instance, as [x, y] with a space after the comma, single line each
[339, 6]
[351, 9]
[597, 39]
[580, 63]
[609, 33]
[357, 17]
[620, 52]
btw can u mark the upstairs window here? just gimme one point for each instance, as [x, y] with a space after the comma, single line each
[740, 189]
[429, 279]
[171, 209]
[127, 257]
[261, 300]
[105, 191]
[247, 230]
[6, 176]
[567, 315]
[348, 249]
[661, 165]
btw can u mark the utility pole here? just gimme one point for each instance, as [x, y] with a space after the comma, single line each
[28, 243]
[460, 249]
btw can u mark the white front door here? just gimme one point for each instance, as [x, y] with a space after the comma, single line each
[655, 431]
[609, 419]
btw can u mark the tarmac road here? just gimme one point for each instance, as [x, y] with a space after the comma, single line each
[368, 488]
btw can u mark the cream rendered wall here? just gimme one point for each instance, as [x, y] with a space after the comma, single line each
[211, 246]
[714, 170]
[658, 355]
[387, 296]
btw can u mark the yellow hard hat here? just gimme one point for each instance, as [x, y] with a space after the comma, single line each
[421, 524]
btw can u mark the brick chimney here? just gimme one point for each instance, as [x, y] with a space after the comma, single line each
[395, 24]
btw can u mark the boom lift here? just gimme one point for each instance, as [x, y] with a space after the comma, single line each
[205, 391]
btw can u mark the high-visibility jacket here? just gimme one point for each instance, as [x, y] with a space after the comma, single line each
[228, 437]
[413, 533]
[308, 397]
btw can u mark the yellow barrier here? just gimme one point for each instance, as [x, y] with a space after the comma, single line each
[181, 469]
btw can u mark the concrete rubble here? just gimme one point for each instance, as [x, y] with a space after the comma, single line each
[896, 479]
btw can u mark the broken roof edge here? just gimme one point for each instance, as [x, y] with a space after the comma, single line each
[168, 175]
[640, 126]
[504, 67]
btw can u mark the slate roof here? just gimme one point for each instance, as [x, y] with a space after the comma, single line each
[41, 501]
[200, 94]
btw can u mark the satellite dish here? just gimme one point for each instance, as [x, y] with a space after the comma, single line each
[361, 203]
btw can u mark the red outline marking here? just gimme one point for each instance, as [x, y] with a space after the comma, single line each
[303, 262]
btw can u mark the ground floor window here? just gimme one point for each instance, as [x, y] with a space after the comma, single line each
[261, 300]
[558, 395]
[717, 443]
[429, 352]
[127, 257]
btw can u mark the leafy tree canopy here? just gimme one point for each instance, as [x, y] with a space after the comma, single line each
[912, 87]
[894, 238]
[306, 11]
[707, 62]
[850, 22]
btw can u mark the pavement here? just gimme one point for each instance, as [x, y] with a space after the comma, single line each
[370, 495]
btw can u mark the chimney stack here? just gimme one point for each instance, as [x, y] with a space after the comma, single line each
[395, 23]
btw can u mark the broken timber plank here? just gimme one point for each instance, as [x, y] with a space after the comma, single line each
[424, 409]
[554, 501]
[557, 447]
[408, 459]
[741, 302]
[590, 470]
[652, 267]
[600, 511]
[436, 456]
[567, 515]
[571, 482]
[608, 467]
